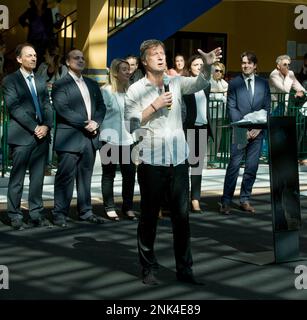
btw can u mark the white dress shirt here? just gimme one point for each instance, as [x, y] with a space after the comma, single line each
[84, 92]
[163, 140]
[252, 77]
[201, 108]
[218, 97]
[281, 84]
[26, 74]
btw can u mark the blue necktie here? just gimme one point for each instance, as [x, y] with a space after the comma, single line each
[35, 100]
[249, 89]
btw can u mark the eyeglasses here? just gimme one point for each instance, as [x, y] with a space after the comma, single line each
[218, 70]
[286, 64]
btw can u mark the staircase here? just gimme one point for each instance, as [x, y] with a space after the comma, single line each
[65, 36]
[153, 20]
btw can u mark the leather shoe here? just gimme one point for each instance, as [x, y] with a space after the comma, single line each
[187, 278]
[94, 219]
[245, 206]
[60, 223]
[225, 209]
[149, 278]
[19, 225]
[40, 222]
[199, 211]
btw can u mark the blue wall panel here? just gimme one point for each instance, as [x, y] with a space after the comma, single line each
[158, 23]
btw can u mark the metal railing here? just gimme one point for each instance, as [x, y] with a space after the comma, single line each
[281, 105]
[67, 34]
[219, 149]
[122, 12]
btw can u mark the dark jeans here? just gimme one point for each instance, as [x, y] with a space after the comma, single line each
[252, 151]
[152, 181]
[107, 180]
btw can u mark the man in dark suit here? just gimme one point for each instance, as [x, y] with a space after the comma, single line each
[31, 118]
[79, 112]
[246, 93]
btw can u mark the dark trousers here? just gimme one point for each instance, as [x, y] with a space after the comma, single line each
[108, 174]
[198, 150]
[73, 166]
[152, 180]
[252, 151]
[34, 157]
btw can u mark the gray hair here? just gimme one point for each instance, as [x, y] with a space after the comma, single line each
[282, 57]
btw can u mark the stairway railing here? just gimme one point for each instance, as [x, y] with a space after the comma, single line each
[122, 12]
[66, 35]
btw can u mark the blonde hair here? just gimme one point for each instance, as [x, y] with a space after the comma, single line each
[113, 79]
[220, 65]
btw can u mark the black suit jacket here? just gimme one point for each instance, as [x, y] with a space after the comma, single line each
[21, 108]
[71, 114]
[238, 103]
[191, 111]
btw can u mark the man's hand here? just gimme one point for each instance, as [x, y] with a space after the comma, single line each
[299, 94]
[91, 126]
[252, 134]
[164, 100]
[41, 131]
[211, 57]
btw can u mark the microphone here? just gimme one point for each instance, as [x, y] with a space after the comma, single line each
[166, 87]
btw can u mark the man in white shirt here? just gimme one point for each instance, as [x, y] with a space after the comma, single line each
[163, 154]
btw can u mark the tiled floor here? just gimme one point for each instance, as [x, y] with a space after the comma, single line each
[87, 261]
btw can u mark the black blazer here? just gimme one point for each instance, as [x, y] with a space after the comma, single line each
[191, 111]
[21, 108]
[71, 114]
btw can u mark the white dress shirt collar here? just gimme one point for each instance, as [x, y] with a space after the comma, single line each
[251, 76]
[84, 92]
[74, 76]
[25, 73]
